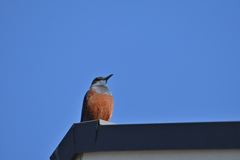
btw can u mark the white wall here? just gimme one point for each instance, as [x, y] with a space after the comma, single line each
[164, 155]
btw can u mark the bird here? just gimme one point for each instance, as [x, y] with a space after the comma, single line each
[98, 101]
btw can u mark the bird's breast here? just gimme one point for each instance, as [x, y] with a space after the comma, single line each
[99, 105]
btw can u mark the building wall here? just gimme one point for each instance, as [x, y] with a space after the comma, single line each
[230, 154]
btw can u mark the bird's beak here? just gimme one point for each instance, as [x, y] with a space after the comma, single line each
[106, 78]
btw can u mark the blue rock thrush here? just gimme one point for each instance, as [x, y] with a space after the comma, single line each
[98, 101]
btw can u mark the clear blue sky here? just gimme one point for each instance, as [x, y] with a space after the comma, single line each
[173, 61]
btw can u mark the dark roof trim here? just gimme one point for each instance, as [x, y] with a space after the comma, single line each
[100, 135]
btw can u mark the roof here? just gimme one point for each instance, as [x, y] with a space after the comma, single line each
[99, 135]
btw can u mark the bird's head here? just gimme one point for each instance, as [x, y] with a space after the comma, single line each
[101, 80]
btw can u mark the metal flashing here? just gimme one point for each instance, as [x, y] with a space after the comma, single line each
[100, 135]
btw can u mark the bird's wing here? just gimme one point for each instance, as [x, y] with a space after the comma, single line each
[84, 105]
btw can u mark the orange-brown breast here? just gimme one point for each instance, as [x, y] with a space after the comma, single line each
[99, 106]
